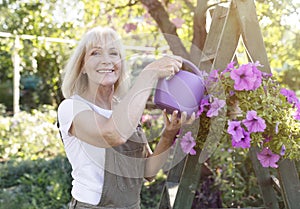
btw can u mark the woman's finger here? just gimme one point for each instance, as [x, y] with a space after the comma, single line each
[191, 119]
[183, 117]
[166, 118]
[174, 116]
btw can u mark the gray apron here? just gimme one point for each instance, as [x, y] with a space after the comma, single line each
[123, 175]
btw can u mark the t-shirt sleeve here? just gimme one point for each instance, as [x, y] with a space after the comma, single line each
[67, 111]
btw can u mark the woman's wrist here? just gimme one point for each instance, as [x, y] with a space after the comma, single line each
[169, 136]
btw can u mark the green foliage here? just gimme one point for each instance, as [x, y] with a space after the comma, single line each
[35, 184]
[30, 136]
[234, 174]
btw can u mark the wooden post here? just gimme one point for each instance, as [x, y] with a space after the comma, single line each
[189, 182]
[16, 82]
[289, 183]
[264, 181]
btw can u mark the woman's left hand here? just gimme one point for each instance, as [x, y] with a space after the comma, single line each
[173, 124]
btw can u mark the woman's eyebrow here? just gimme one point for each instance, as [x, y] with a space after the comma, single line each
[99, 47]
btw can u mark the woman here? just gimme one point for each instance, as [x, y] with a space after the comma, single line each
[99, 123]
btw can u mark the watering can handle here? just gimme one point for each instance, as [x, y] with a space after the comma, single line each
[188, 64]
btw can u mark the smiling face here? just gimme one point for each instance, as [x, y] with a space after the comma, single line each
[102, 65]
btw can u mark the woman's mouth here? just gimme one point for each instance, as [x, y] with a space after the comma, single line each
[105, 71]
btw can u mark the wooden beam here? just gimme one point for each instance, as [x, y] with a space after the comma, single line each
[264, 181]
[290, 185]
[251, 33]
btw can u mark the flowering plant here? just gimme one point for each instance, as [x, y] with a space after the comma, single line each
[257, 111]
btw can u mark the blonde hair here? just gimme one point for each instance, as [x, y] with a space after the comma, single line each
[74, 82]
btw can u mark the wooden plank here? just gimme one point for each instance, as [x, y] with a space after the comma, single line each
[173, 177]
[264, 181]
[251, 33]
[164, 202]
[228, 40]
[189, 182]
[289, 182]
[213, 37]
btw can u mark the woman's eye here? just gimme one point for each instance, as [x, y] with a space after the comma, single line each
[114, 53]
[96, 53]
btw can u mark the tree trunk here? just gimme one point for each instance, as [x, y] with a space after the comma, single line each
[161, 17]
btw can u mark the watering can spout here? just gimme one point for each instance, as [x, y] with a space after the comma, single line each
[183, 92]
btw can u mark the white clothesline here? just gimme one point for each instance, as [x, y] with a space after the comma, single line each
[72, 41]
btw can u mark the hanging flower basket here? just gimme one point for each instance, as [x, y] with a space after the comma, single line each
[258, 112]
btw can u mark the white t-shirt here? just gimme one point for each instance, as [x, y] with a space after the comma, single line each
[87, 161]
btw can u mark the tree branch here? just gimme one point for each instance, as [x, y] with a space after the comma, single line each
[189, 5]
[161, 17]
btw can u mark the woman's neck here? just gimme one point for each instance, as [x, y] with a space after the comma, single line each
[101, 96]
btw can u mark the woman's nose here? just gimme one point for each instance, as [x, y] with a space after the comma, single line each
[105, 59]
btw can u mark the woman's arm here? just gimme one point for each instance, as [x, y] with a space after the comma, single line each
[105, 132]
[172, 126]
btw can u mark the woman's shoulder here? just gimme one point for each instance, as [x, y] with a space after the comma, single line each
[72, 104]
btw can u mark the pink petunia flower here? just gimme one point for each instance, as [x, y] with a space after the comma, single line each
[258, 75]
[204, 102]
[188, 143]
[213, 76]
[235, 129]
[245, 141]
[297, 115]
[254, 123]
[290, 96]
[246, 77]
[128, 27]
[215, 106]
[230, 66]
[267, 158]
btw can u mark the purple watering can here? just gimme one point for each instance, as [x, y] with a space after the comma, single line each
[183, 92]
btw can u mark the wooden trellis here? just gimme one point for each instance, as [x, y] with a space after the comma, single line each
[228, 25]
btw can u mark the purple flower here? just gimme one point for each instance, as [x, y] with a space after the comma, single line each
[215, 106]
[253, 122]
[245, 141]
[282, 151]
[246, 77]
[128, 27]
[290, 96]
[267, 75]
[213, 76]
[204, 102]
[229, 68]
[231, 93]
[187, 143]
[258, 75]
[267, 158]
[297, 115]
[267, 139]
[235, 129]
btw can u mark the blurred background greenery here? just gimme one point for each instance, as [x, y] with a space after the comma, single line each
[34, 172]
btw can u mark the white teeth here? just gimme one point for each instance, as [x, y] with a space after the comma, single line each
[104, 71]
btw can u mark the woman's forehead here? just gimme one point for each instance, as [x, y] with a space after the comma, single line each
[100, 44]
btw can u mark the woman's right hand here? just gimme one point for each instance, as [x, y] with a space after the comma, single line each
[166, 66]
